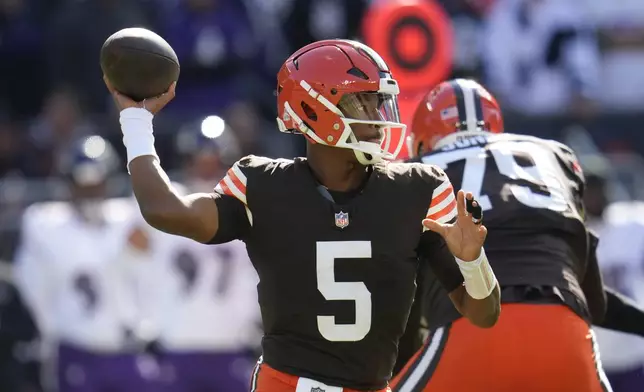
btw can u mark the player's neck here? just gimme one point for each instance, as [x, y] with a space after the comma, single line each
[339, 174]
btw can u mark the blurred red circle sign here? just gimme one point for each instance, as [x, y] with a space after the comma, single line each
[414, 37]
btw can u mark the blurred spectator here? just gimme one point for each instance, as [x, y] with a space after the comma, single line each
[621, 26]
[22, 77]
[217, 50]
[257, 136]
[207, 150]
[61, 122]
[313, 20]
[11, 148]
[19, 369]
[541, 56]
[467, 24]
[75, 37]
[74, 269]
[267, 17]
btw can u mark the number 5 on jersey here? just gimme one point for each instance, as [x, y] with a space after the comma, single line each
[326, 254]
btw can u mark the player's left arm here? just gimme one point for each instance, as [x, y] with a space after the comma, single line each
[468, 291]
[608, 308]
[451, 233]
[592, 283]
[622, 314]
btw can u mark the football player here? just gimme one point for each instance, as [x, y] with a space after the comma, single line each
[334, 236]
[69, 269]
[206, 299]
[619, 224]
[531, 191]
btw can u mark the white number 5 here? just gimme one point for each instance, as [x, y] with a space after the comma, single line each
[357, 292]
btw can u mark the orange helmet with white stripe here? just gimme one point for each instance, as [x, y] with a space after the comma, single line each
[329, 86]
[459, 105]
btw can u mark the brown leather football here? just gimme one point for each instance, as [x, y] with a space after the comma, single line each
[139, 63]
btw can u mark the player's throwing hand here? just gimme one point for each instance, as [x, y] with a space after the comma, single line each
[464, 237]
[153, 105]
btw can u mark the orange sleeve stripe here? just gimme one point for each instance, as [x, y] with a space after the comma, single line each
[235, 179]
[442, 196]
[225, 188]
[444, 211]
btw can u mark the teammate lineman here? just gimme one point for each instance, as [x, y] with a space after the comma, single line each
[531, 191]
[335, 236]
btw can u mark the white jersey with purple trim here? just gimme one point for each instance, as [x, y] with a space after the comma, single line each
[208, 295]
[69, 273]
[621, 258]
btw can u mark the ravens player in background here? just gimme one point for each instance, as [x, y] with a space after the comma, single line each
[71, 269]
[206, 296]
[531, 192]
[335, 236]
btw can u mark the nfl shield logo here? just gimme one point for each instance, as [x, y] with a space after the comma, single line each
[316, 389]
[342, 219]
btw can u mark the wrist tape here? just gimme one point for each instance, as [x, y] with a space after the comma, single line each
[138, 136]
[479, 277]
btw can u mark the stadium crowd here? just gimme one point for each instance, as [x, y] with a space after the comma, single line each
[560, 70]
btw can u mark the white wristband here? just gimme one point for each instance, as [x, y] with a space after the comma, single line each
[479, 277]
[138, 136]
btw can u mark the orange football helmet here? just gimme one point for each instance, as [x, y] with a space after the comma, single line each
[459, 105]
[325, 87]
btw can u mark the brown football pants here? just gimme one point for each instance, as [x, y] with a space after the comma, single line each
[532, 348]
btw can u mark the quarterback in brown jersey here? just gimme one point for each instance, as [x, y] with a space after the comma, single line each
[544, 257]
[335, 237]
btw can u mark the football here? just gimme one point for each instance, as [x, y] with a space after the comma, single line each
[139, 63]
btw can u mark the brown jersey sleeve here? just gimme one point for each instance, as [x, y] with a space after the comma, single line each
[230, 194]
[233, 223]
[434, 250]
[442, 205]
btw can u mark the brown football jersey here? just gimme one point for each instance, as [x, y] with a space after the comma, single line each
[337, 271]
[530, 190]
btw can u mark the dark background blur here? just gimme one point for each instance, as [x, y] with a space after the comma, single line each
[572, 70]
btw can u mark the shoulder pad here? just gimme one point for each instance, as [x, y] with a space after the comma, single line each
[568, 158]
[416, 169]
[432, 185]
[442, 200]
[251, 162]
[236, 180]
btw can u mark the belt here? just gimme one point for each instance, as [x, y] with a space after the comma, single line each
[527, 294]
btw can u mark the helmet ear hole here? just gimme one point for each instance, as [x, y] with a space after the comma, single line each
[310, 113]
[357, 72]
